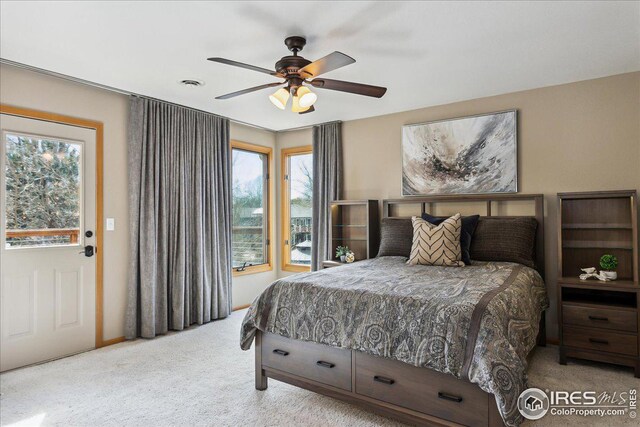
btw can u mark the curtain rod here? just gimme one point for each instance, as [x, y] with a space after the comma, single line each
[116, 90]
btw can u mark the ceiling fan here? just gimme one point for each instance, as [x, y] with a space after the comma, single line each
[299, 72]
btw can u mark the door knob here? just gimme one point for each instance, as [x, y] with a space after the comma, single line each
[88, 251]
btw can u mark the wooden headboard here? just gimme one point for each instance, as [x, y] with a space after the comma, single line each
[427, 204]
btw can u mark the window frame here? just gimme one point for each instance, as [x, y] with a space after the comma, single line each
[268, 151]
[285, 211]
[80, 238]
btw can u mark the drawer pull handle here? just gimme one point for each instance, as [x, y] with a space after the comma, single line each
[281, 352]
[450, 397]
[325, 364]
[383, 380]
[598, 341]
[603, 319]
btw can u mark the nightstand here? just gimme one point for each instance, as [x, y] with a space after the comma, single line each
[330, 263]
[598, 320]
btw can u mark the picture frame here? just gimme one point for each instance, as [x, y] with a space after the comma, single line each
[475, 154]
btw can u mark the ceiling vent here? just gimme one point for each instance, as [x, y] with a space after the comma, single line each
[191, 83]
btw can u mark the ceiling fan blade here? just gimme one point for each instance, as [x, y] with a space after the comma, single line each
[324, 65]
[357, 88]
[309, 110]
[249, 90]
[243, 65]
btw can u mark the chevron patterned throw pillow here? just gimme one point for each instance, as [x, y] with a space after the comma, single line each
[436, 245]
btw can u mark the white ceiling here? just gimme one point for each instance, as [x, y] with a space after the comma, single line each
[426, 53]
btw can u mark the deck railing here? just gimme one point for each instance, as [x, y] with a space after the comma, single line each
[42, 237]
[248, 244]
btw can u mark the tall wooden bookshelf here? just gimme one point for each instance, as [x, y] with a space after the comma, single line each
[355, 223]
[598, 320]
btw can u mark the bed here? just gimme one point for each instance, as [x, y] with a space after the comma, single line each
[422, 344]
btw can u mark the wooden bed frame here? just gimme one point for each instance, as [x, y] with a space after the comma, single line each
[394, 389]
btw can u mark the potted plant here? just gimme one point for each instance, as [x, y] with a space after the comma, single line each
[341, 252]
[609, 263]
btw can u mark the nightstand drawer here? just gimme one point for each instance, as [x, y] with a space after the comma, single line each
[597, 339]
[599, 317]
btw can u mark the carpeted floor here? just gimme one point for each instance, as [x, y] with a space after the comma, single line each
[200, 377]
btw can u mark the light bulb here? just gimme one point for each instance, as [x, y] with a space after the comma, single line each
[296, 107]
[306, 97]
[280, 98]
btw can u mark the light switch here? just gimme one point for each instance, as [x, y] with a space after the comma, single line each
[111, 224]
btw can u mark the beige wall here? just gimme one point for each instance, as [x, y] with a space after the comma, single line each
[39, 92]
[581, 136]
[575, 137]
[36, 91]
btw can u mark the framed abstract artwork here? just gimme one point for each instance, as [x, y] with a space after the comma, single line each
[468, 155]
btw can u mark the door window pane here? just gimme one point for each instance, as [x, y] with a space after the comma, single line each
[42, 191]
[250, 213]
[300, 191]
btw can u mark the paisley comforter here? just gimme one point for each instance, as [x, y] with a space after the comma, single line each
[476, 323]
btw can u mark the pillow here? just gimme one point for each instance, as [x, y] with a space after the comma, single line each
[468, 227]
[505, 239]
[436, 244]
[396, 235]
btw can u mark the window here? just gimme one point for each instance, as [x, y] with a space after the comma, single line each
[250, 194]
[43, 191]
[297, 189]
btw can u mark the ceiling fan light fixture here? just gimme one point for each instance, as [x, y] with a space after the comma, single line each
[296, 72]
[280, 98]
[306, 98]
[296, 107]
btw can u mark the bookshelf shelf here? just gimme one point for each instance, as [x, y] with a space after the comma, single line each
[597, 226]
[598, 320]
[354, 223]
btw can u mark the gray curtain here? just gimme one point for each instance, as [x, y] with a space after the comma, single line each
[180, 218]
[327, 181]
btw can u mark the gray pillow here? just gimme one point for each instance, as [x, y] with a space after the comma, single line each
[396, 237]
[505, 239]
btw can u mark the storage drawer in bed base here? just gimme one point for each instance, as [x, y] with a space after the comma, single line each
[321, 363]
[458, 403]
[420, 389]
